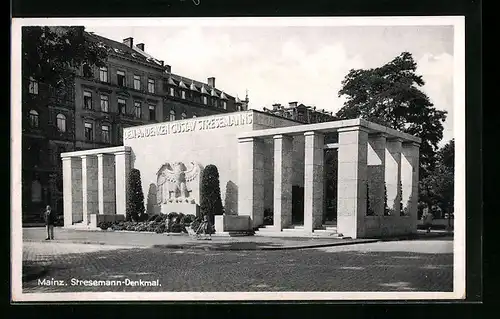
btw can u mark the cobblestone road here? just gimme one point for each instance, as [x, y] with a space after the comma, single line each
[418, 265]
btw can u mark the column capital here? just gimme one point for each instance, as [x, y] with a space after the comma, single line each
[127, 152]
[86, 156]
[100, 155]
[353, 128]
[282, 136]
[394, 139]
[411, 144]
[378, 135]
[313, 133]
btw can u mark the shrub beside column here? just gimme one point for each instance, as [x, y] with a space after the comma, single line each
[135, 198]
[210, 198]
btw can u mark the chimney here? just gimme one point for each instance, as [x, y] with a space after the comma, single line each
[168, 68]
[141, 46]
[162, 62]
[276, 106]
[292, 104]
[211, 82]
[129, 42]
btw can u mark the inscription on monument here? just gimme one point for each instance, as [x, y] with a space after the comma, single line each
[189, 126]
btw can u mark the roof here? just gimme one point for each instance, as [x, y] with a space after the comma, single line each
[138, 54]
[122, 49]
[175, 79]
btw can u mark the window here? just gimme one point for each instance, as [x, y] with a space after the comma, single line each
[33, 118]
[151, 86]
[183, 116]
[122, 105]
[104, 103]
[120, 77]
[87, 71]
[61, 122]
[172, 92]
[152, 113]
[87, 100]
[103, 74]
[137, 109]
[137, 82]
[105, 133]
[89, 131]
[33, 86]
[183, 94]
[172, 115]
[224, 105]
[205, 100]
[36, 191]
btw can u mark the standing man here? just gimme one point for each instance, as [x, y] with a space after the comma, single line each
[49, 222]
[427, 218]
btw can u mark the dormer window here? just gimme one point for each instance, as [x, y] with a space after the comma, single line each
[224, 105]
[205, 100]
[183, 94]
[172, 92]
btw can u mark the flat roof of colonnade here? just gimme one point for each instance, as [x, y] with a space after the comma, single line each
[332, 126]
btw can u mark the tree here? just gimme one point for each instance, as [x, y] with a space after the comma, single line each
[390, 95]
[438, 187]
[135, 198]
[210, 198]
[52, 54]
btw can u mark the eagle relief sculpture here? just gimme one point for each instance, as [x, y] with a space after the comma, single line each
[178, 183]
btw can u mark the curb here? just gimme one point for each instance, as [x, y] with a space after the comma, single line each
[206, 246]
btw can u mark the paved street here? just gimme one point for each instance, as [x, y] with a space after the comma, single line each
[414, 265]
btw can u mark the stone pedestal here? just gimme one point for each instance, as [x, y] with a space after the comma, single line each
[313, 181]
[185, 208]
[352, 179]
[283, 174]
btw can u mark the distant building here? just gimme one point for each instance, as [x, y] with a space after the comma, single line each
[91, 111]
[302, 113]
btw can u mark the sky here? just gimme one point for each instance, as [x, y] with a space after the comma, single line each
[281, 64]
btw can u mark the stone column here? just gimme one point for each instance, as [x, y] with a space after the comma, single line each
[283, 173]
[393, 174]
[313, 181]
[251, 179]
[409, 181]
[376, 172]
[352, 179]
[72, 190]
[106, 181]
[122, 172]
[89, 187]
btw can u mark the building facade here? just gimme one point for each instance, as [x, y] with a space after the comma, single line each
[92, 109]
[302, 113]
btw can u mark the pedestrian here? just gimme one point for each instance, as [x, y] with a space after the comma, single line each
[427, 218]
[49, 222]
[205, 228]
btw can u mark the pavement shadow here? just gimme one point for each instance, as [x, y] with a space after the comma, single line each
[223, 246]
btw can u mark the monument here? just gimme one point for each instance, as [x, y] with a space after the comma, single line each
[178, 188]
[260, 158]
